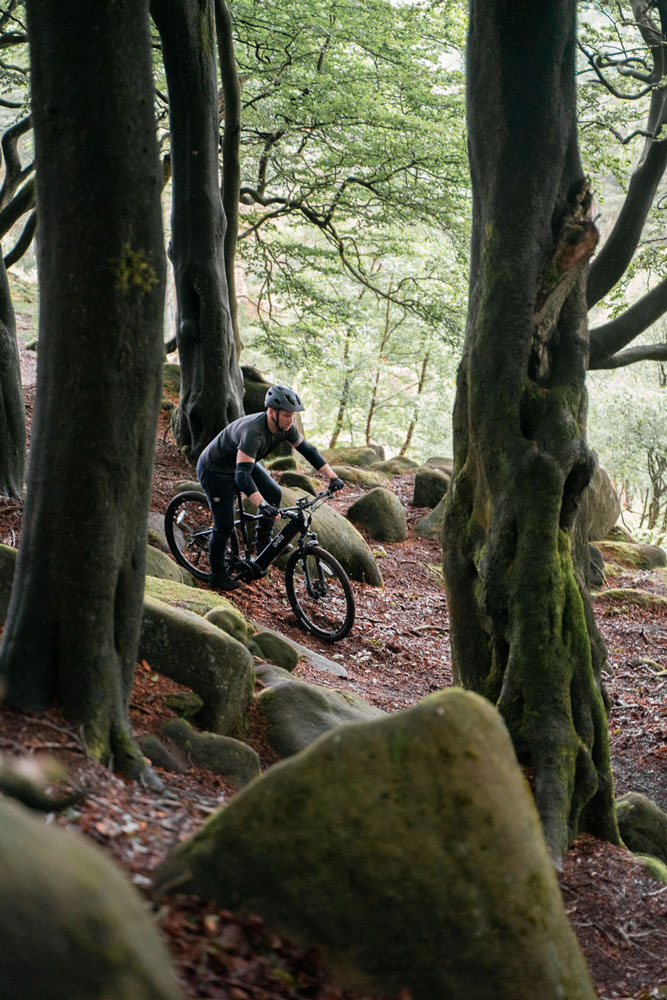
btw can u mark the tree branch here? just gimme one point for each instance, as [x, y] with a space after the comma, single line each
[23, 242]
[609, 338]
[643, 352]
[15, 173]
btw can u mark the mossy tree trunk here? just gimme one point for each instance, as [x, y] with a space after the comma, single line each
[12, 410]
[522, 630]
[211, 383]
[73, 623]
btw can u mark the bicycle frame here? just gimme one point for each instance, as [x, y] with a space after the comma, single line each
[299, 519]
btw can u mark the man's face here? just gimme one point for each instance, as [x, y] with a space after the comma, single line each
[282, 418]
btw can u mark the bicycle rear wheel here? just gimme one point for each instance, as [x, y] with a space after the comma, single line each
[188, 524]
[319, 592]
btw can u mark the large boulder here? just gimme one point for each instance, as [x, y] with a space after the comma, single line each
[223, 755]
[381, 514]
[199, 600]
[643, 825]
[297, 713]
[360, 477]
[444, 464]
[301, 481]
[409, 849]
[198, 655]
[71, 924]
[633, 554]
[431, 525]
[395, 466]
[603, 505]
[342, 540]
[159, 564]
[430, 487]
[362, 457]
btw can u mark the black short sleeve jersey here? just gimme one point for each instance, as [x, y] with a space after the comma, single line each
[251, 435]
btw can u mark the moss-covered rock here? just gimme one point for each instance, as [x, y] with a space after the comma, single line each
[156, 535]
[231, 621]
[297, 713]
[71, 924]
[342, 540]
[431, 525]
[268, 674]
[362, 457]
[360, 477]
[277, 649]
[284, 463]
[629, 595]
[301, 481]
[619, 534]
[200, 656]
[444, 464]
[381, 514]
[171, 378]
[160, 565]
[187, 704]
[655, 868]
[643, 825]
[159, 756]
[7, 566]
[188, 484]
[230, 758]
[199, 600]
[633, 555]
[395, 466]
[409, 849]
[430, 487]
[255, 388]
[603, 505]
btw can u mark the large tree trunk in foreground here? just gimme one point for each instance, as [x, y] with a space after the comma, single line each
[522, 630]
[211, 383]
[73, 623]
[12, 410]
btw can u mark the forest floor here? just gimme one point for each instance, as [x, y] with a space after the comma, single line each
[396, 654]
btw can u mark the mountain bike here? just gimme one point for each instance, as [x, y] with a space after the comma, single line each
[318, 588]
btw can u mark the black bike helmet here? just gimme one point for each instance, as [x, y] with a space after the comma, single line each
[279, 397]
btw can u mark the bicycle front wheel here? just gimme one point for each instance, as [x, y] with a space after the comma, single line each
[188, 524]
[319, 592]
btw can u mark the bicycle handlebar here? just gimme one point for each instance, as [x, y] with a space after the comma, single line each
[306, 503]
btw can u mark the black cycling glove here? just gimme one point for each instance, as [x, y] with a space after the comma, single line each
[336, 484]
[267, 509]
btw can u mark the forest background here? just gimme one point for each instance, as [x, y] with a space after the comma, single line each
[354, 223]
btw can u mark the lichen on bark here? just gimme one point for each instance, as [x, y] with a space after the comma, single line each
[522, 631]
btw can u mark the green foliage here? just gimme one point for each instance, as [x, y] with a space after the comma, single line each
[628, 428]
[355, 225]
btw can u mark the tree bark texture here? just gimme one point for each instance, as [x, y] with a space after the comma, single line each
[73, 623]
[522, 630]
[211, 383]
[12, 409]
[231, 160]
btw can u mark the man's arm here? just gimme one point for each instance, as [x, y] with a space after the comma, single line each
[243, 479]
[313, 456]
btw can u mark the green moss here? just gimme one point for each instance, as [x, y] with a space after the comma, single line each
[133, 271]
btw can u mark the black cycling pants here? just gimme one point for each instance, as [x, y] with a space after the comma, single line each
[220, 488]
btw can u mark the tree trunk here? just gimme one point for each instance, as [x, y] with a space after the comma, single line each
[211, 383]
[345, 391]
[231, 161]
[12, 409]
[420, 389]
[73, 623]
[522, 629]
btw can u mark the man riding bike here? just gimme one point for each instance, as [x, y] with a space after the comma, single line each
[229, 463]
